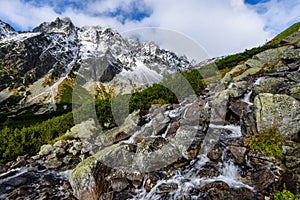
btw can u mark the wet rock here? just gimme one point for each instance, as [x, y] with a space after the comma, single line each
[152, 179]
[248, 122]
[220, 185]
[151, 144]
[167, 188]
[120, 133]
[237, 107]
[215, 154]
[238, 89]
[136, 177]
[262, 178]
[3, 168]
[52, 163]
[278, 111]
[172, 129]
[209, 170]
[20, 162]
[259, 159]
[238, 153]
[119, 184]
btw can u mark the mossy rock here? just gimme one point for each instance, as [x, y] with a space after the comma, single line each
[295, 91]
[278, 111]
[270, 85]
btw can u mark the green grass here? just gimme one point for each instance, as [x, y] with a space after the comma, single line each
[292, 29]
[268, 142]
[285, 195]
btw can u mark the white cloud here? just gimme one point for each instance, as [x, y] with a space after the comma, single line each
[220, 26]
[25, 15]
[278, 14]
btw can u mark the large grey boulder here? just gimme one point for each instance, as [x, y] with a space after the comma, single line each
[277, 111]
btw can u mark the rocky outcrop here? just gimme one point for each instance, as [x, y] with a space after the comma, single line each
[278, 111]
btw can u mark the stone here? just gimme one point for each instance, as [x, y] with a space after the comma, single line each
[278, 111]
[46, 149]
[209, 170]
[295, 91]
[3, 168]
[167, 188]
[271, 85]
[238, 153]
[219, 107]
[238, 89]
[52, 163]
[84, 130]
[130, 125]
[61, 144]
[237, 107]
[262, 178]
[215, 153]
[152, 179]
[151, 144]
[88, 179]
[119, 184]
[220, 185]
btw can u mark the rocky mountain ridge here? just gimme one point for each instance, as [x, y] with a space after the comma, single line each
[34, 64]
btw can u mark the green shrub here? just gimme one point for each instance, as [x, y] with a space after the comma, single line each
[233, 60]
[144, 99]
[285, 195]
[268, 142]
[28, 140]
[196, 80]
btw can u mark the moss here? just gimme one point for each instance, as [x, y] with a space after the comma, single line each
[268, 142]
[285, 195]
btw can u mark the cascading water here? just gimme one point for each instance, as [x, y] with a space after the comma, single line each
[186, 181]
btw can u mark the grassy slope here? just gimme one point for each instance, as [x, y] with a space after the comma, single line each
[287, 32]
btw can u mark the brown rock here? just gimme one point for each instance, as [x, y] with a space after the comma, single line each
[238, 153]
[262, 179]
[220, 185]
[119, 184]
[215, 154]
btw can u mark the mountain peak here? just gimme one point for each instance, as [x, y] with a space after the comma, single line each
[60, 25]
[6, 30]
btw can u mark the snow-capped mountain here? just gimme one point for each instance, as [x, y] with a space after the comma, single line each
[37, 62]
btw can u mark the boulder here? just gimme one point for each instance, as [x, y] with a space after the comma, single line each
[277, 111]
[271, 85]
[216, 184]
[295, 91]
[238, 153]
[262, 178]
[215, 153]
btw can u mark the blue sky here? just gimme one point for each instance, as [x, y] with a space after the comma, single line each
[221, 27]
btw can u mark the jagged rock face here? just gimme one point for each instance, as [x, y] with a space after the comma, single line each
[6, 30]
[41, 59]
[64, 26]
